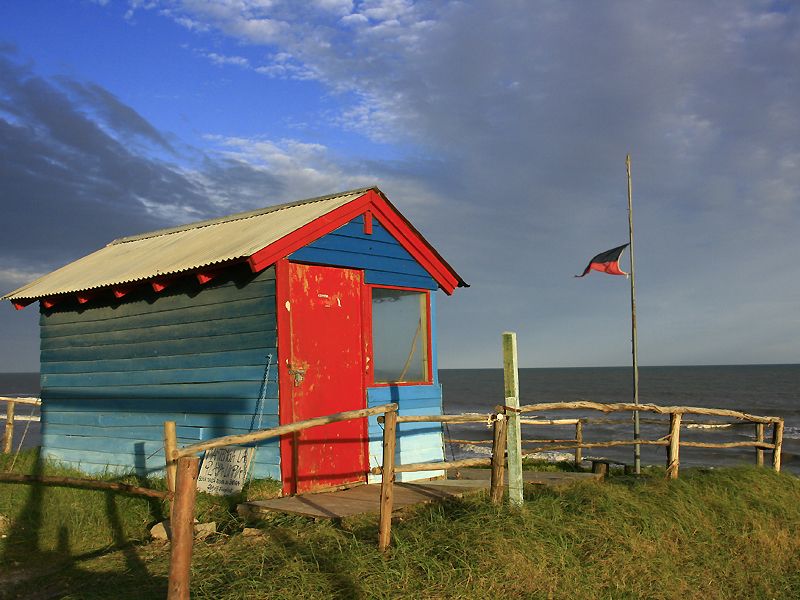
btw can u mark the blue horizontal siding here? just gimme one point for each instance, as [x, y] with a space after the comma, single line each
[400, 280]
[416, 442]
[380, 255]
[126, 462]
[155, 377]
[250, 324]
[240, 390]
[255, 356]
[112, 374]
[178, 347]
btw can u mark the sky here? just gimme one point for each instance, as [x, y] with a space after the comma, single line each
[500, 129]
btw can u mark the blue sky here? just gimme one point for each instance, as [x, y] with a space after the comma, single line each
[499, 128]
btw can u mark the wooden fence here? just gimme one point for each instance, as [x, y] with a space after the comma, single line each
[577, 443]
[182, 467]
[10, 416]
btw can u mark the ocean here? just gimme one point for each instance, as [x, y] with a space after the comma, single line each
[771, 390]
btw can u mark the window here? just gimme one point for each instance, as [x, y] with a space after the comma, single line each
[399, 336]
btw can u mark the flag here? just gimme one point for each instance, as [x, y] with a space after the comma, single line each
[606, 262]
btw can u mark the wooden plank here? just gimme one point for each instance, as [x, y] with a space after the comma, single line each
[121, 420]
[403, 393]
[363, 245]
[355, 229]
[397, 279]
[255, 323]
[248, 357]
[236, 391]
[233, 308]
[264, 340]
[124, 434]
[513, 435]
[155, 377]
[208, 400]
[357, 260]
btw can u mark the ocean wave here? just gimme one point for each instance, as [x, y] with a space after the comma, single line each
[793, 433]
[468, 451]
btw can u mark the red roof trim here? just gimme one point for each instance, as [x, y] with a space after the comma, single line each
[122, 290]
[377, 206]
[20, 304]
[160, 284]
[84, 297]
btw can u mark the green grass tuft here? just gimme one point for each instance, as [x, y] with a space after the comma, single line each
[716, 534]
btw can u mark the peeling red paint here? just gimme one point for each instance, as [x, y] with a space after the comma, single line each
[323, 374]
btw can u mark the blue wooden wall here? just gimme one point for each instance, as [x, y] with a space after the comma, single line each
[386, 262]
[113, 372]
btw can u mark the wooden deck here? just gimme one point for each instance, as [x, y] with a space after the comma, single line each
[365, 499]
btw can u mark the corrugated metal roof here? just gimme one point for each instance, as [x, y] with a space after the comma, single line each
[185, 248]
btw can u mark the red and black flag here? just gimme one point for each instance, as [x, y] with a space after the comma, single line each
[606, 262]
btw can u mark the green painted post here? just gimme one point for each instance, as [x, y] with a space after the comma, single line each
[511, 383]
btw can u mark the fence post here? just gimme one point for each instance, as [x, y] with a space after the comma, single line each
[777, 439]
[514, 435]
[498, 458]
[759, 438]
[387, 479]
[673, 462]
[578, 442]
[170, 446]
[182, 525]
[8, 435]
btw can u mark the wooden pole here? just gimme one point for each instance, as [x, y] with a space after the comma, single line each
[182, 526]
[170, 447]
[759, 438]
[637, 457]
[8, 435]
[498, 458]
[777, 441]
[578, 442]
[387, 480]
[514, 435]
[673, 462]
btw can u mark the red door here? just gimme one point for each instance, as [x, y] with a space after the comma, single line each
[319, 321]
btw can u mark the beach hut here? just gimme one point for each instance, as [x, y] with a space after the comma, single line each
[241, 323]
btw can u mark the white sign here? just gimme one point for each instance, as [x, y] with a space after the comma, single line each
[224, 470]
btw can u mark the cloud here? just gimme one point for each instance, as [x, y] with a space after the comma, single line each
[511, 122]
[221, 59]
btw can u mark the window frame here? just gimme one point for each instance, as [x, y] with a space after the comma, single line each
[369, 372]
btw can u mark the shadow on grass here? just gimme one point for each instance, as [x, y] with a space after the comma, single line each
[33, 572]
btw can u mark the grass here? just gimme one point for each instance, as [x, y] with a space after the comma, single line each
[721, 533]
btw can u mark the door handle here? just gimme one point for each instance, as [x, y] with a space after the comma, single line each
[298, 374]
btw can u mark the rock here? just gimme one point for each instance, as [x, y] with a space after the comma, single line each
[161, 531]
[251, 532]
[203, 530]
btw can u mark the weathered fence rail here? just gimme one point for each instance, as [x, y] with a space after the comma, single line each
[182, 471]
[10, 417]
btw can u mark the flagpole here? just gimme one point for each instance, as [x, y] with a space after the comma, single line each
[637, 458]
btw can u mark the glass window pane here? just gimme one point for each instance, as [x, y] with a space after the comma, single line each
[399, 335]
